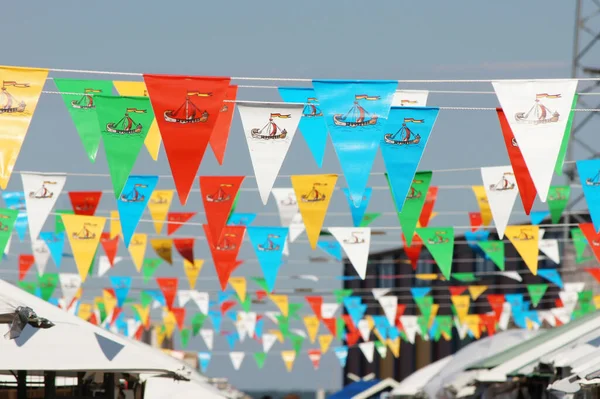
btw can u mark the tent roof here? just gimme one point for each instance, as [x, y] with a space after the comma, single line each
[353, 389]
[159, 387]
[412, 384]
[377, 388]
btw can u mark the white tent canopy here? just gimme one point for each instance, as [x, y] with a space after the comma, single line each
[414, 383]
[159, 387]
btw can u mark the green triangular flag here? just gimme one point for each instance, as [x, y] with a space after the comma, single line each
[369, 218]
[558, 198]
[293, 310]
[261, 282]
[297, 341]
[28, 286]
[403, 336]
[284, 325]
[560, 161]
[495, 251]
[413, 205]
[340, 328]
[124, 123]
[381, 349]
[7, 223]
[246, 304]
[233, 206]
[59, 226]
[536, 292]
[260, 358]
[580, 243]
[197, 323]
[585, 296]
[92, 263]
[440, 244]
[102, 311]
[425, 303]
[47, 284]
[149, 267]
[464, 277]
[80, 98]
[185, 337]
[444, 325]
[423, 323]
[340, 294]
[145, 298]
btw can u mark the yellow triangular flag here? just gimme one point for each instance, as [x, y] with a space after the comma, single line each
[433, 214]
[434, 310]
[596, 301]
[137, 249]
[312, 327]
[288, 358]
[314, 194]
[85, 311]
[528, 324]
[158, 206]
[192, 271]
[239, 286]
[143, 313]
[473, 322]
[160, 335]
[138, 89]
[84, 235]
[169, 322]
[324, 342]
[429, 276]
[282, 303]
[525, 239]
[461, 305]
[484, 206]
[115, 224]
[394, 346]
[278, 334]
[110, 302]
[21, 90]
[477, 290]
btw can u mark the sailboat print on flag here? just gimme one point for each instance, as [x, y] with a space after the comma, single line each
[132, 203]
[537, 112]
[41, 193]
[501, 189]
[312, 124]
[589, 173]
[268, 245]
[356, 242]
[358, 212]
[410, 98]
[269, 131]
[356, 114]
[402, 144]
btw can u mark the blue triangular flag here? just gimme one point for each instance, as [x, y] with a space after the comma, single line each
[53, 301]
[232, 315]
[355, 308]
[406, 134]
[341, 353]
[589, 174]
[222, 296]
[56, 245]
[331, 248]
[258, 330]
[312, 124]
[393, 333]
[473, 237]
[382, 325]
[538, 217]
[268, 243]
[216, 318]
[232, 338]
[158, 296]
[109, 347]
[132, 202]
[241, 219]
[358, 212]
[204, 360]
[356, 113]
[515, 300]
[121, 285]
[419, 292]
[551, 275]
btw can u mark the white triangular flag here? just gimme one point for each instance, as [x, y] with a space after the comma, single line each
[501, 189]
[367, 349]
[379, 292]
[537, 112]
[41, 255]
[104, 264]
[549, 247]
[285, 198]
[562, 314]
[541, 233]
[286, 248]
[268, 341]
[356, 242]
[512, 275]
[328, 309]
[411, 326]
[272, 315]
[240, 327]
[390, 308]
[462, 328]
[382, 350]
[183, 297]
[547, 316]
[569, 300]
[410, 98]
[201, 299]
[269, 130]
[69, 285]
[7, 248]
[249, 321]
[236, 359]
[208, 336]
[296, 227]
[505, 316]
[41, 192]
[574, 286]
[364, 329]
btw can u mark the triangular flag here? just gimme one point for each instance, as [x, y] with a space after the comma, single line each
[115, 224]
[331, 248]
[410, 98]
[551, 275]
[356, 242]
[358, 213]
[70, 283]
[121, 285]
[220, 134]
[549, 247]
[269, 129]
[218, 194]
[41, 254]
[589, 174]
[241, 219]
[168, 287]
[137, 249]
[84, 235]
[41, 193]
[427, 212]
[560, 161]
[25, 263]
[85, 202]
[406, 134]
[580, 244]
[526, 242]
[558, 198]
[369, 218]
[239, 286]
[225, 250]
[314, 193]
[149, 267]
[592, 237]
[485, 213]
[325, 341]
[8, 218]
[177, 219]
[260, 358]
[477, 290]
[537, 217]
[16, 201]
[413, 204]
[158, 206]
[192, 270]
[356, 114]
[132, 203]
[501, 191]
[537, 112]
[268, 245]
[187, 109]
[287, 205]
[413, 252]
[185, 248]
[55, 243]
[110, 246]
[236, 359]
[494, 250]
[440, 243]
[163, 248]
[288, 358]
[536, 292]
[311, 323]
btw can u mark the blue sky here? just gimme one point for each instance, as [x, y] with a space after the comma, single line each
[385, 39]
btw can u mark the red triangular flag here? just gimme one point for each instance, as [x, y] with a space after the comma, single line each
[139, 332]
[496, 301]
[186, 109]
[177, 219]
[352, 337]
[220, 134]
[179, 314]
[185, 247]
[524, 182]
[315, 303]
[475, 220]
[261, 294]
[85, 202]
[93, 319]
[413, 253]
[594, 271]
[349, 323]
[227, 305]
[168, 287]
[428, 206]
[315, 357]
[110, 246]
[399, 313]
[331, 324]
[218, 195]
[225, 251]
[592, 238]
[115, 314]
[456, 290]
[25, 263]
[558, 303]
[489, 321]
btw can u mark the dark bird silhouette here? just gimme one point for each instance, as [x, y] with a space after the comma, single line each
[22, 316]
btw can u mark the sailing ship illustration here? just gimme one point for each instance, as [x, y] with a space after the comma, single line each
[164, 251]
[269, 245]
[87, 100]
[413, 194]
[43, 192]
[504, 184]
[559, 195]
[438, 238]
[3, 227]
[539, 113]
[221, 195]
[271, 131]
[355, 238]
[404, 135]
[493, 248]
[314, 195]
[595, 243]
[86, 205]
[136, 242]
[311, 108]
[126, 125]
[134, 195]
[357, 115]
[9, 104]
[158, 200]
[523, 235]
[72, 284]
[405, 102]
[593, 181]
[188, 112]
[41, 249]
[85, 233]
[226, 244]
[290, 201]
